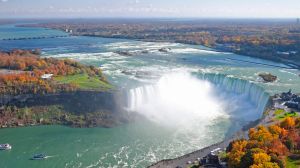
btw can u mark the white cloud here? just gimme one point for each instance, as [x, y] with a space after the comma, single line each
[4, 0]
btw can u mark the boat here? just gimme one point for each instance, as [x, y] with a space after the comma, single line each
[5, 146]
[39, 157]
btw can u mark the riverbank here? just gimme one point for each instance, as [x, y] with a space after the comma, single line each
[291, 63]
[271, 116]
[188, 159]
[236, 37]
[74, 109]
[49, 91]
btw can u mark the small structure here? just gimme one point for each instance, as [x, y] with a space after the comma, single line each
[47, 76]
[212, 159]
[278, 105]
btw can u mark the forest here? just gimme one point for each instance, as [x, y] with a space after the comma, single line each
[277, 40]
[21, 73]
[274, 146]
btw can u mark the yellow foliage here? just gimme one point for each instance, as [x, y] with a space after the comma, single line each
[288, 123]
[260, 158]
[266, 165]
[237, 152]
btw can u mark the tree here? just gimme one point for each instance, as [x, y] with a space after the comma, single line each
[260, 158]
[278, 148]
[275, 130]
[288, 123]
[265, 165]
[237, 152]
[247, 160]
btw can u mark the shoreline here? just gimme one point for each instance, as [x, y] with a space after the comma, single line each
[66, 108]
[204, 151]
[182, 161]
[292, 65]
[288, 63]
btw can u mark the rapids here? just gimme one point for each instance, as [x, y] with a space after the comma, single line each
[191, 97]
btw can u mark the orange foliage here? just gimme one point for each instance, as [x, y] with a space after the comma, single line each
[277, 141]
[237, 152]
[26, 69]
[260, 158]
[288, 123]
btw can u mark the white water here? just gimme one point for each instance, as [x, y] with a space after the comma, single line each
[177, 98]
[181, 99]
[247, 91]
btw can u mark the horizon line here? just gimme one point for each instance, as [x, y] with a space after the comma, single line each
[224, 18]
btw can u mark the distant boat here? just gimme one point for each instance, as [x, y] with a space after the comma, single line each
[39, 157]
[5, 146]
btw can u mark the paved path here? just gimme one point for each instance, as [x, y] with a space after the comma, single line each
[182, 161]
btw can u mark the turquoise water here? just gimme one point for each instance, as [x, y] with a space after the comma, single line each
[234, 92]
[70, 147]
[12, 32]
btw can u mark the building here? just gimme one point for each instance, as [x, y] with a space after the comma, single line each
[290, 100]
[47, 76]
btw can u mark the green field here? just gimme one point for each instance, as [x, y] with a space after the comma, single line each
[290, 163]
[83, 81]
[281, 114]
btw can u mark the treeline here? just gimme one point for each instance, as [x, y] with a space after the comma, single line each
[267, 147]
[22, 70]
[269, 40]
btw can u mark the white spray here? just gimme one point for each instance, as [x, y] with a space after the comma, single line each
[176, 99]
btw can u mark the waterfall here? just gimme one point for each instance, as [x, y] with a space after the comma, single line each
[202, 97]
[254, 93]
[177, 97]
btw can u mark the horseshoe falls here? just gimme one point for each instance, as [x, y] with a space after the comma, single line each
[188, 98]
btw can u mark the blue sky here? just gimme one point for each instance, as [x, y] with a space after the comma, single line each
[150, 8]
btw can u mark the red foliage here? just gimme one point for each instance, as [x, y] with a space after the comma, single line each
[26, 69]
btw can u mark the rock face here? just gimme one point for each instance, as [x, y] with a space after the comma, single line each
[79, 101]
[85, 108]
[267, 77]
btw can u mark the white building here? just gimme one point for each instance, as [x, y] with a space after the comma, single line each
[47, 76]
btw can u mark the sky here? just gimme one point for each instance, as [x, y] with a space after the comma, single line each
[149, 8]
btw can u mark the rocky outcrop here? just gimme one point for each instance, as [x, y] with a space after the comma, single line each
[76, 109]
[124, 53]
[267, 77]
[79, 101]
[164, 50]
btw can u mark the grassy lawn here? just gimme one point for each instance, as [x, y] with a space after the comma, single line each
[292, 163]
[281, 114]
[84, 82]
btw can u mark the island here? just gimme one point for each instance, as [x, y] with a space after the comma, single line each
[267, 77]
[39, 91]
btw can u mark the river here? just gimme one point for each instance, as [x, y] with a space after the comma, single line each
[192, 97]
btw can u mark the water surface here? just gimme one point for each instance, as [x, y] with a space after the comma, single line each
[230, 84]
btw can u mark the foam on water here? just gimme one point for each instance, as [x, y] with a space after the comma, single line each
[248, 91]
[176, 99]
[192, 51]
[192, 111]
[200, 107]
[139, 45]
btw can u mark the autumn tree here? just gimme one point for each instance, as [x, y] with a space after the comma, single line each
[288, 123]
[236, 153]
